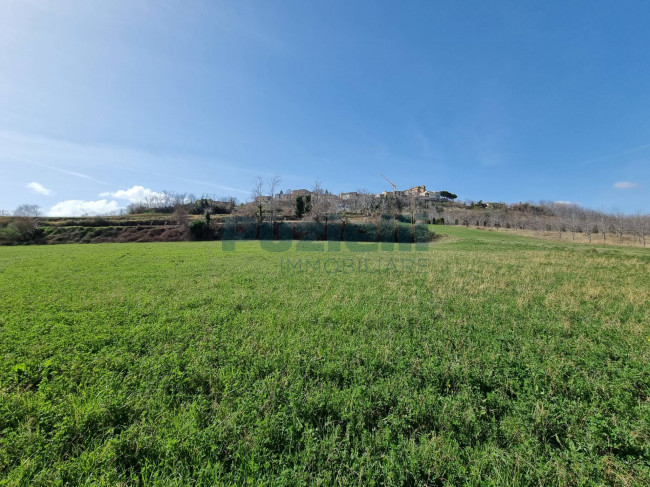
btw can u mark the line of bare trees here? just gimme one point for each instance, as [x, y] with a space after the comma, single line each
[570, 219]
[562, 218]
[170, 202]
[268, 206]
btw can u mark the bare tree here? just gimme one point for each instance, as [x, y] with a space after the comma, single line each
[603, 223]
[232, 202]
[619, 224]
[557, 223]
[465, 218]
[273, 184]
[364, 202]
[513, 219]
[452, 216]
[559, 218]
[573, 221]
[26, 221]
[28, 211]
[641, 226]
[258, 197]
[385, 204]
[320, 209]
[589, 223]
[317, 188]
[412, 203]
[485, 218]
[498, 218]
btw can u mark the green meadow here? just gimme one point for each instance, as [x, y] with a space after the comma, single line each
[486, 359]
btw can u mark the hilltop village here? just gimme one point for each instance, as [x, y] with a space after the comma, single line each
[419, 192]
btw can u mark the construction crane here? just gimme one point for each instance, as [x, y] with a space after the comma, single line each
[392, 183]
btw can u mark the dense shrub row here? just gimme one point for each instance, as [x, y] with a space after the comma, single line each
[243, 229]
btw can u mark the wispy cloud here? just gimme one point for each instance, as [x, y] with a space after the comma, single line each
[625, 185]
[622, 153]
[86, 161]
[217, 186]
[57, 169]
[38, 188]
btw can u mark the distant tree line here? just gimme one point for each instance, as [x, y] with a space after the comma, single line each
[270, 204]
[562, 218]
[170, 201]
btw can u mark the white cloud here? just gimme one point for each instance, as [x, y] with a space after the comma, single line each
[38, 187]
[564, 202]
[106, 206]
[625, 185]
[132, 195]
[81, 208]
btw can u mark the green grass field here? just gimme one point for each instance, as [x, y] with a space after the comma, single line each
[488, 359]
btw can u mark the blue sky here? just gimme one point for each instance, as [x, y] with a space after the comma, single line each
[494, 100]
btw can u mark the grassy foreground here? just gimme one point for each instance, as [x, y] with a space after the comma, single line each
[493, 359]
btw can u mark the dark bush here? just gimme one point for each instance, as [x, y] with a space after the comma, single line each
[21, 230]
[309, 231]
[9, 235]
[405, 234]
[207, 205]
[361, 232]
[199, 229]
